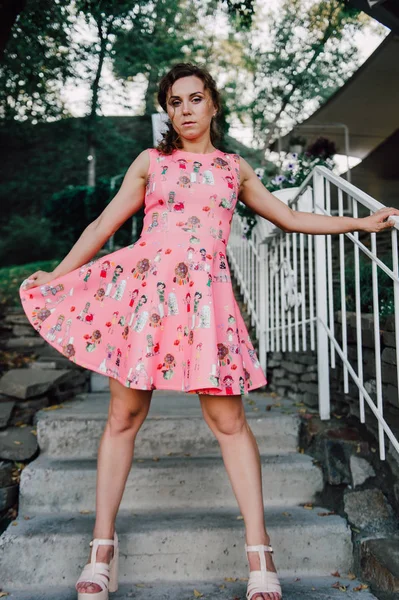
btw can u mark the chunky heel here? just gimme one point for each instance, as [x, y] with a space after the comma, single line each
[103, 574]
[113, 571]
[263, 581]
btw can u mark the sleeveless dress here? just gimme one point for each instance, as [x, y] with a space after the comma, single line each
[160, 313]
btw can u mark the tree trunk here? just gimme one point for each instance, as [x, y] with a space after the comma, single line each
[92, 117]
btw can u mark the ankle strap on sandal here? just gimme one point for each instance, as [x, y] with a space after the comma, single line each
[258, 548]
[105, 542]
[102, 542]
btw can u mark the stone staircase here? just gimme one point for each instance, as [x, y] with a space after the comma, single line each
[181, 533]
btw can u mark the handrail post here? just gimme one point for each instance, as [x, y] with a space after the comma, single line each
[321, 302]
[263, 304]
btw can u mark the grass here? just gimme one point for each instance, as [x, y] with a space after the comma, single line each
[12, 277]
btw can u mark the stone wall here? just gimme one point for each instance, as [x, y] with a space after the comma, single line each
[33, 376]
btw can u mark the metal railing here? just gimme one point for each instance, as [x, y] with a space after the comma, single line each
[292, 283]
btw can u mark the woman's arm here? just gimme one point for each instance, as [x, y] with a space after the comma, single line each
[254, 194]
[125, 203]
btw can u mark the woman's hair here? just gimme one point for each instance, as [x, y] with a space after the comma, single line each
[170, 138]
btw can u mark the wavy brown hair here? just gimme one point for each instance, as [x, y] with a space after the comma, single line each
[170, 138]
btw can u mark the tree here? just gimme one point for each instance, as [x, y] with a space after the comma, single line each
[312, 52]
[9, 11]
[36, 60]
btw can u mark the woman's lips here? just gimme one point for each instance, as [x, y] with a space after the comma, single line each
[188, 123]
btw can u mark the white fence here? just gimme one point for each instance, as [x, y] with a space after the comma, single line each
[290, 283]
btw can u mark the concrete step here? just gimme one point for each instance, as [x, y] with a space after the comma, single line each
[50, 484]
[174, 424]
[173, 546]
[314, 588]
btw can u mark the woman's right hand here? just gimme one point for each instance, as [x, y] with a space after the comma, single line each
[36, 279]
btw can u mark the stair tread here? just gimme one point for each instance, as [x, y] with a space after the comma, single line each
[318, 588]
[291, 461]
[165, 404]
[74, 523]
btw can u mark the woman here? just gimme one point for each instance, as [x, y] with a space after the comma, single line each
[177, 181]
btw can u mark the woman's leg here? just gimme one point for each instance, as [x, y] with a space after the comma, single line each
[128, 409]
[226, 418]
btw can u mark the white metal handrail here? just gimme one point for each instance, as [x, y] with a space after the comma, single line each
[287, 281]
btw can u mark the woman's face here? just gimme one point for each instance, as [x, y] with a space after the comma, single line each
[190, 107]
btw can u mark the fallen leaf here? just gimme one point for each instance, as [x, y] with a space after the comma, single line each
[231, 579]
[156, 458]
[268, 406]
[239, 517]
[18, 443]
[3, 594]
[85, 512]
[351, 576]
[243, 578]
[326, 514]
[54, 407]
[336, 574]
[14, 523]
[360, 587]
[308, 505]
[26, 518]
[197, 594]
[142, 585]
[297, 579]
[286, 514]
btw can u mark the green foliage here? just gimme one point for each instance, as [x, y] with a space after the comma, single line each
[29, 236]
[385, 287]
[311, 52]
[39, 161]
[36, 62]
[11, 278]
[295, 169]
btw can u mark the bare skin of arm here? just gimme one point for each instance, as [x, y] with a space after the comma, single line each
[254, 194]
[126, 202]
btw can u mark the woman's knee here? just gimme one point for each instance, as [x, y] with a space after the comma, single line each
[128, 408]
[225, 416]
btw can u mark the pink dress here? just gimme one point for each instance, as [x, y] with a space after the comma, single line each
[160, 313]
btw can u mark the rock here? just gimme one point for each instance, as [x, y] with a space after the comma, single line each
[24, 331]
[361, 470]
[389, 356]
[292, 367]
[389, 374]
[309, 399]
[389, 338]
[26, 383]
[337, 446]
[17, 319]
[379, 561]
[24, 343]
[309, 377]
[6, 469]
[18, 443]
[367, 508]
[312, 388]
[6, 409]
[8, 497]
[37, 364]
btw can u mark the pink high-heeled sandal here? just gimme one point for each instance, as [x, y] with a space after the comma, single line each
[263, 581]
[103, 574]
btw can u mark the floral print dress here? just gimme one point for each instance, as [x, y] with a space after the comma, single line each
[160, 313]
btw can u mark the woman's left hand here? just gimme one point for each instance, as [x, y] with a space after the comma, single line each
[379, 220]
